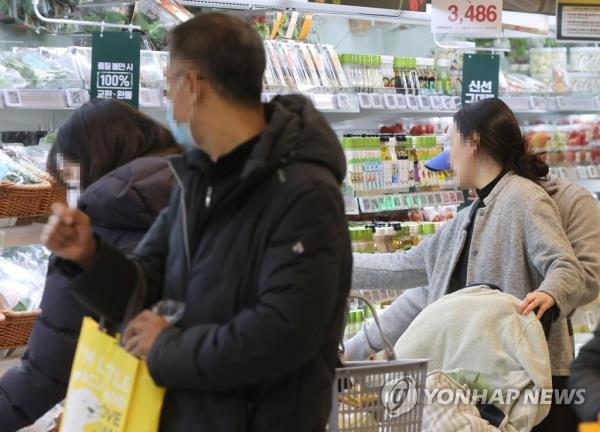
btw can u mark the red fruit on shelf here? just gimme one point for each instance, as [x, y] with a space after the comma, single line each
[414, 216]
[430, 129]
[571, 156]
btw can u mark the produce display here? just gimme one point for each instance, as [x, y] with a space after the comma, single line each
[47, 68]
[22, 165]
[568, 141]
[541, 60]
[23, 274]
[157, 17]
[121, 14]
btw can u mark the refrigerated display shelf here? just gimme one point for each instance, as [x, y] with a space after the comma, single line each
[35, 109]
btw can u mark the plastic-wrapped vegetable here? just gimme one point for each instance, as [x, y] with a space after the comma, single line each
[156, 17]
[51, 69]
[23, 275]
[10, 78]
[13, 172]
[31, 158]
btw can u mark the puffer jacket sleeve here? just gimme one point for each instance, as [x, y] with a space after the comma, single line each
[585, 376]
[552, 255]
[298, 299]
[29, 390]
[108, 285]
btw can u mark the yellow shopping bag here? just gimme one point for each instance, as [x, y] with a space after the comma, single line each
[109, 390]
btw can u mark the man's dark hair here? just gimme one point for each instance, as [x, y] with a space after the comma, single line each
[104, 134]
[227, 51]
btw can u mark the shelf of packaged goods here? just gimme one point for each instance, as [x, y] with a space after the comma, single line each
[367, 279]
[20, 235]
[408, 201]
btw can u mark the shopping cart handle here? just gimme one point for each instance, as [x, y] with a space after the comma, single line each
[389, 346]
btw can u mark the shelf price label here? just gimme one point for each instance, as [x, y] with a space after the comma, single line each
[116, 66]
[481, 17]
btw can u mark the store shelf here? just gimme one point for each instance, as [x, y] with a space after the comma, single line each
[409, 201]
[363, 279]
[30, 110]
[21, 235]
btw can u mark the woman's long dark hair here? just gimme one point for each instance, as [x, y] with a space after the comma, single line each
[500, 137]
[104, 134]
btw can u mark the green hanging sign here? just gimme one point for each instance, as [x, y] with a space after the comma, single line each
[480, 77]
[116, 66]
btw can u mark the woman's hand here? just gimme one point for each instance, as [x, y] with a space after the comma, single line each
[535, 300]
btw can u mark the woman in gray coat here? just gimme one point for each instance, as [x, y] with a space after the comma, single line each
[511, 236]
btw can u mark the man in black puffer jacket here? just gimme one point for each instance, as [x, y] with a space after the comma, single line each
[254, 242]
[122, 206]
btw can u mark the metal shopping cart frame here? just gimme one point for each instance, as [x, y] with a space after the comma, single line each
[378, 396]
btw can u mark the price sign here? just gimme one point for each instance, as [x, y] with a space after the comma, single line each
[481, 17]
[116, 66]
[578, 20]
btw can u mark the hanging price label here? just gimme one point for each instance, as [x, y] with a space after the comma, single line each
[481, 17]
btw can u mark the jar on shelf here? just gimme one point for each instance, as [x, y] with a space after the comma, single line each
[541, 60]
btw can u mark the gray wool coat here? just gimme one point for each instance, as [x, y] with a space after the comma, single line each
[518, 244]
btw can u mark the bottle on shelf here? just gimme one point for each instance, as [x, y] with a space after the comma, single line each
[411, 67]
[444, 80]
[378, 85]
[346, 62]
[366, 70]
[400, 76]
[387, 72]
[426, 75]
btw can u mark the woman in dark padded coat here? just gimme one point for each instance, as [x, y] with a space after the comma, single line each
[117, 156]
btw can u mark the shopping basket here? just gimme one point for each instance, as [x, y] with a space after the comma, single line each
[378, 396]
[16, 327]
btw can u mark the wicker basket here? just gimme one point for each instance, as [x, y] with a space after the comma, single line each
[16, 327]
[18, 201]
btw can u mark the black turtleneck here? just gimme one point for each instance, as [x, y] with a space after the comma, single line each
[219, 179]
[458, 280]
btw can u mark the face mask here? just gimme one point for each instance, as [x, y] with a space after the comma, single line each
[182, 132]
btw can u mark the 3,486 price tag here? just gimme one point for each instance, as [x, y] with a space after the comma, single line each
[482, 17]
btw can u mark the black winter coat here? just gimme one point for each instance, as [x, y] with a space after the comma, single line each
[585, 375]
[265, 289]
[122, 206]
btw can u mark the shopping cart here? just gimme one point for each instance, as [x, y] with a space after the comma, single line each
[378, 396]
